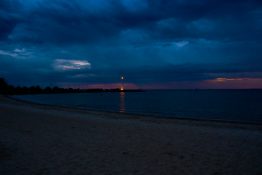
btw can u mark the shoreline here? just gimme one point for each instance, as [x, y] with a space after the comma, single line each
[139, 115]
[37, 139]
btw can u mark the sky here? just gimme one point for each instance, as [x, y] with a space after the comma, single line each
[155, 44]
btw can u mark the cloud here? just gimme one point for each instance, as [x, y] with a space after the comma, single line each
[181, 43]
[147, 40]
[16, 53]
[69, 65]
[6, 53]
[63, 22]
[244, 83]
[233, 83]
[105, 86]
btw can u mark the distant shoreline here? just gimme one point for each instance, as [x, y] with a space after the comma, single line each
[79, 91]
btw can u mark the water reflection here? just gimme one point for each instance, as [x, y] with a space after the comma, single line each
[122, 105]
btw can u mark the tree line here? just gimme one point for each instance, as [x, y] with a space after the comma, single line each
[8, 89]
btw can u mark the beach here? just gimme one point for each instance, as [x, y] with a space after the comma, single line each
[42, 139]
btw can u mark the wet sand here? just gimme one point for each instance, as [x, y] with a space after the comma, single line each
[37, 139]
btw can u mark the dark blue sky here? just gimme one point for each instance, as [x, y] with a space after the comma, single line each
[154, 43]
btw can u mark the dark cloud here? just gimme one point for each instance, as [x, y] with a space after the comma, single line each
[148, 40]
[77, 21]
[8, 18]
[140, 76]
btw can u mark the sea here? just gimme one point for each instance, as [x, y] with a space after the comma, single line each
[225, 105]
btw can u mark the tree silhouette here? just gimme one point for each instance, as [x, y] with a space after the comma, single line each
[7, 89]
[3, 86]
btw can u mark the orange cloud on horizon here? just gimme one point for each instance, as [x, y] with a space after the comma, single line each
[217, 83]
[106, 86]
[235, 83]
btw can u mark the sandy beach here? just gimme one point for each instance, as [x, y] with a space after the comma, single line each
[38, 139]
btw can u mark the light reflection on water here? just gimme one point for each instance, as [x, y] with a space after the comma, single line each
[122, 105]
[236, 105]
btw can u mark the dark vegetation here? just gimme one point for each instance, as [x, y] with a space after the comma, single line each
[8, 89]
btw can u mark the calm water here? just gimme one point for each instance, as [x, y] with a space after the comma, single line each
[237, 105]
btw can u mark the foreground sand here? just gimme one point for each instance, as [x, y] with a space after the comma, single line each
[38, 139]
